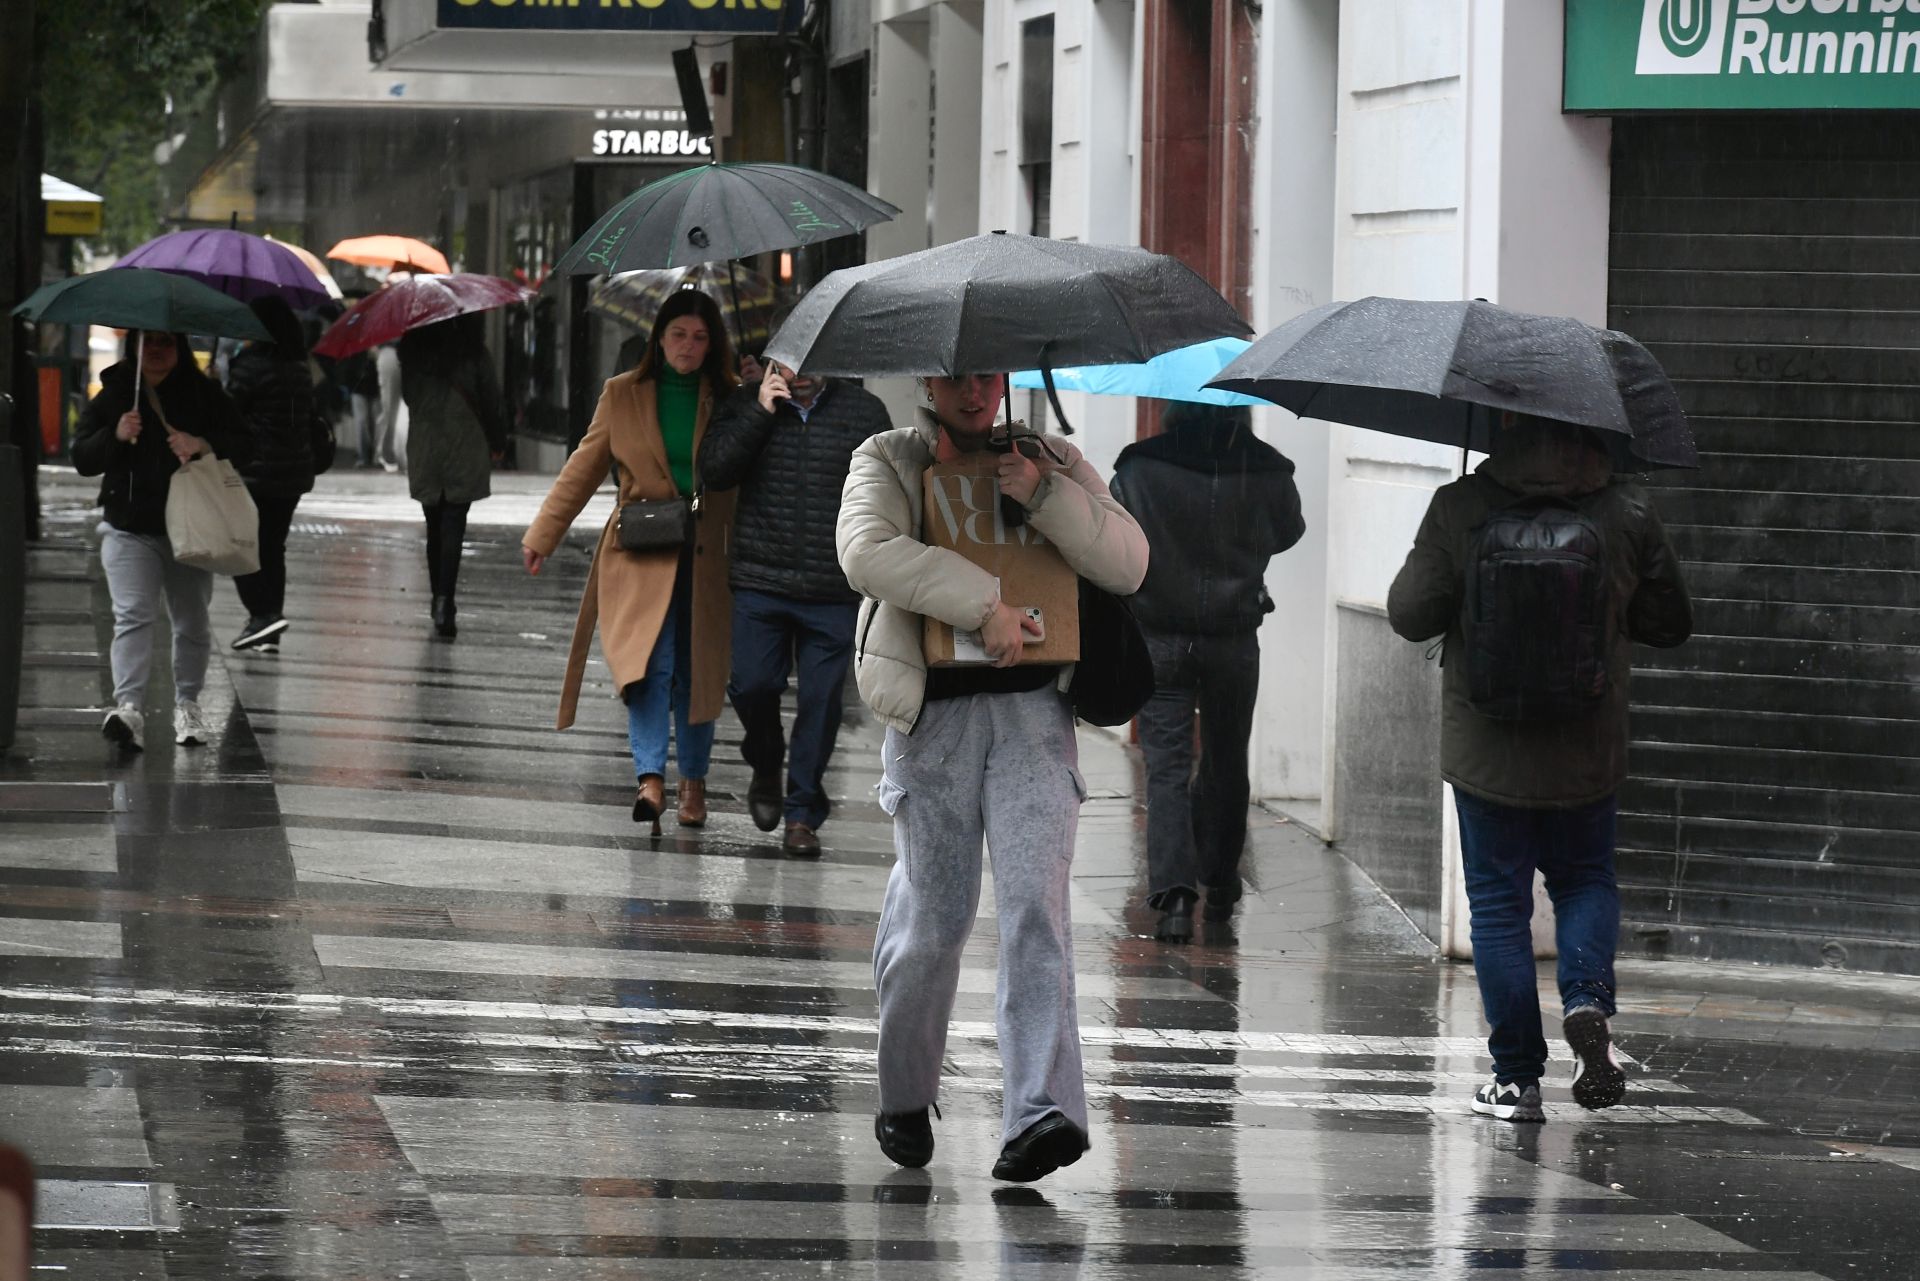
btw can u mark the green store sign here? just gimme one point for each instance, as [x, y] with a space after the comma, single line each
[1741, 55]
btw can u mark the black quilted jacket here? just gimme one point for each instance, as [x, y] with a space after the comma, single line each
[276, 398]
[789, 474]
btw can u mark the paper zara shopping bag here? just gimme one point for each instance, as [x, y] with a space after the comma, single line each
[962, 514]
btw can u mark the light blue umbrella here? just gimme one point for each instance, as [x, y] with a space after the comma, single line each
[1182, 374]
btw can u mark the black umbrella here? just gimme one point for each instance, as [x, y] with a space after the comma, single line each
[1002, 302]
[1431, 370]
[722, 211]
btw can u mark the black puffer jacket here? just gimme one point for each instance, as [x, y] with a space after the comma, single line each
[790, 473]
[275, 397]
[138, 475]
[1216, 504]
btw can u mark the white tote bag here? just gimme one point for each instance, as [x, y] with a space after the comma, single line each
[211, 519]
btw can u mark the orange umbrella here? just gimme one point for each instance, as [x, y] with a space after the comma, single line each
[318, 268]
[401, 252]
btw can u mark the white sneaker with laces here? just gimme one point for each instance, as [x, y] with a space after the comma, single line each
[125, 725]
[1509, 1102]
[189, 724]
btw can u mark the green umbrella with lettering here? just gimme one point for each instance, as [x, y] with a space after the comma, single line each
[718, 212]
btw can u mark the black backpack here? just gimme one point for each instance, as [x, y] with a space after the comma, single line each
[1538, 621]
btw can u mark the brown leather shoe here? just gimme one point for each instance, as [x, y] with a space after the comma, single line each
[801, 842]
[693, 802]
[650, 801]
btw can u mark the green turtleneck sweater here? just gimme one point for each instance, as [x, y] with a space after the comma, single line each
[678, 405]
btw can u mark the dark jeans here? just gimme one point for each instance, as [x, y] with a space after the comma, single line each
[771, 636]
[1197, 819]
[265, 593]
[1573, 849]
[446, 530]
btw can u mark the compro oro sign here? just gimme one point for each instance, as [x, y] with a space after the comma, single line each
[613, 15]
[1741, 55]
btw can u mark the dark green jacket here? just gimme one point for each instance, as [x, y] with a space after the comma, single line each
[1535, 764]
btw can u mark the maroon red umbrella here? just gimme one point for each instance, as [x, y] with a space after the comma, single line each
[408, 304]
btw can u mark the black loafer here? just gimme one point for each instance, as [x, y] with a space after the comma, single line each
[1045, 1146]
[765, 801]
[906, 1137]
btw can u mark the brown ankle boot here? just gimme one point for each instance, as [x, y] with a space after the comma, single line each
[693, 802]
[650, 801]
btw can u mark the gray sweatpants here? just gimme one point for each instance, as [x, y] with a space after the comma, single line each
[140, 570]
[1002, 767]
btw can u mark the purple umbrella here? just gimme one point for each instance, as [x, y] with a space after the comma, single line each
[238, 264]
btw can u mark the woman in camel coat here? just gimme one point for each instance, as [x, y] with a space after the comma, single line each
[664, 617]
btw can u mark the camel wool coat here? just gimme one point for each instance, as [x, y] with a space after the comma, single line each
[627, 592]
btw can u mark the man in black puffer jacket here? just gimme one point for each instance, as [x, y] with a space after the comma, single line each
[786, 443]
[1216, 503]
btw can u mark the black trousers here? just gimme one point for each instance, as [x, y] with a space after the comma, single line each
[446, 530]
[1197, 803]
[265, 593]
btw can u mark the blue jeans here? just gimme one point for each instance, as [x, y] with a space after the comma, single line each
[665, 695]
[771, 636]
[1573, 849]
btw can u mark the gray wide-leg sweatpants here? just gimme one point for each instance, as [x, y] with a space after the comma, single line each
[1002, 767]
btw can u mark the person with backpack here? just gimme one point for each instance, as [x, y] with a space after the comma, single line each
[1541, 570]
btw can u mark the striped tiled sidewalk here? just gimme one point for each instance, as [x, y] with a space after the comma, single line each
[385, 983]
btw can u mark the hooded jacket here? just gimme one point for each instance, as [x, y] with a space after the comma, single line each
[275, 397]
[137, 476]
[789, 472]
[1558, 764]
[905, 579]
[1216, 503]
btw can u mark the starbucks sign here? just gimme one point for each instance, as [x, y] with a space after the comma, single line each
[1741, 55]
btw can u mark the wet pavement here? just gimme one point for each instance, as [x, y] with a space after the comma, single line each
[385, 983]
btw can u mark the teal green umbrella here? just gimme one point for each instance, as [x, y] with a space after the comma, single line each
[140, 298]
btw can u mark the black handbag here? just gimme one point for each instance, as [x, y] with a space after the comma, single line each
[654, 525]
[323, 444]
[1114, 678]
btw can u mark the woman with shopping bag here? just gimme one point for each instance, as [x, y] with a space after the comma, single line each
[137, 448]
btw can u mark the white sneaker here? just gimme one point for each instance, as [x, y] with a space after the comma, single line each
[125, 725]
[189, 724]
[1509, 1102]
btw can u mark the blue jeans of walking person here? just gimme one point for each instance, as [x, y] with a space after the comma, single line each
[1573, 850]
[660, 700]
[774, 636]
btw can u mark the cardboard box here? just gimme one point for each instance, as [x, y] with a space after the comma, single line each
[962, 513]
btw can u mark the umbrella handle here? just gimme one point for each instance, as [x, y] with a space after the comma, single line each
[1053, 394]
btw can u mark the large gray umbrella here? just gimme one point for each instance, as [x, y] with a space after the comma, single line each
[1431, 370]
[1001, 302]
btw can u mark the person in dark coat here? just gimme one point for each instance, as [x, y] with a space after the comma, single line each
[272, 386]
[1217, 503]
[457, 430]
[136, 448]
[1541, 793]
[786, 442]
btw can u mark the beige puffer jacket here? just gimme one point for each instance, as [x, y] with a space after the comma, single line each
[903, 578]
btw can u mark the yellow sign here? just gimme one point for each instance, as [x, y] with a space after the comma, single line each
[73, 217]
